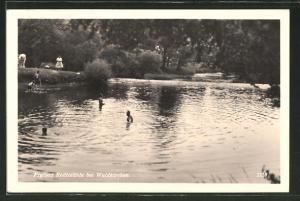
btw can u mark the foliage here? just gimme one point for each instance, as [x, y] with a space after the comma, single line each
[42, 40]
[250, 49]
[247, 48]
[190, 68]
[131, 64]
[149, 62]
[123, 63]
[76, 55]
[37, 37]
[127, 33]
[97, 71]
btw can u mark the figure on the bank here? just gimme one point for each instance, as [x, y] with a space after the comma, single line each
[21, 60]
[129, 117]
[59, 64]
[30, 86]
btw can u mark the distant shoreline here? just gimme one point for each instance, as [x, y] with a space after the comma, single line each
[50, 76]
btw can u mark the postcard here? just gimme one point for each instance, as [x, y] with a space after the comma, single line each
[145, 100]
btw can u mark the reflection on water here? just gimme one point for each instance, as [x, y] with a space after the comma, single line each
[182, 132]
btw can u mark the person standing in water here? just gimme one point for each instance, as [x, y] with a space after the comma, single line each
[44, 131]
[101, 103]
[37, 79]
[129, 117]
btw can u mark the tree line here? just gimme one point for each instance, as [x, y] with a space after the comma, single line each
[133, 47]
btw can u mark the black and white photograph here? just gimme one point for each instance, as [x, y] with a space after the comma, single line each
[148, 100]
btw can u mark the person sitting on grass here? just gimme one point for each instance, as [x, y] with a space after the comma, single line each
[30, 85]
[129, 117]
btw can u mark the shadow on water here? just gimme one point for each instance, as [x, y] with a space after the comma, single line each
[32, 101]
[146, 93]
[78, 96]
[169, 101]
[274, 94]
[118, 91]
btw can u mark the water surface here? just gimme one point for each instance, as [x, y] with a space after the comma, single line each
[192, 132]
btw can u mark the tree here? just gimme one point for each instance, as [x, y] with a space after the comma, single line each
[249, 48]
[169, 34]
[77, 41]
[40, 40]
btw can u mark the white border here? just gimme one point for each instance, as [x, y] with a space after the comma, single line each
[12, 101]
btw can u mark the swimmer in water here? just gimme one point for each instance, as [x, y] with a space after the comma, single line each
[44, 131]
[129, 117]
[101, 103]
[37, 79]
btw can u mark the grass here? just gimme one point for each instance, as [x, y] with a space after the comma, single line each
[49, 76]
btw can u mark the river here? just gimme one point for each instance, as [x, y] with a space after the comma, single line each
[183, 131]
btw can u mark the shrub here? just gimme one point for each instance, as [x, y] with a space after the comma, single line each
[190, 68]
[75, 56]
[131, 64]
[116, 58]
[149, 62]
[97, 71]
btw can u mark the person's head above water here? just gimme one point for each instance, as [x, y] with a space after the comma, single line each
[38, 71]
[128, 113]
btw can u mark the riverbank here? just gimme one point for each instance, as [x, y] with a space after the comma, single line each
[166, 76]
[49, 76]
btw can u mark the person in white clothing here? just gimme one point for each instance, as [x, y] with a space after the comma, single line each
[22, 60]
[59, 65]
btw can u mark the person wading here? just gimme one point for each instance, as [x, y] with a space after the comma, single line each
[129, 117]
[37, 79]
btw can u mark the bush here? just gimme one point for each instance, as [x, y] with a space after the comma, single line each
[149, 62]
[190, 68]
[131, 64]
[97, 72]
[75, 56]
[117, 59]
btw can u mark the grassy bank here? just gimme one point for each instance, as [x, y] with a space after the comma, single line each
[165, 76]
[50, 76]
